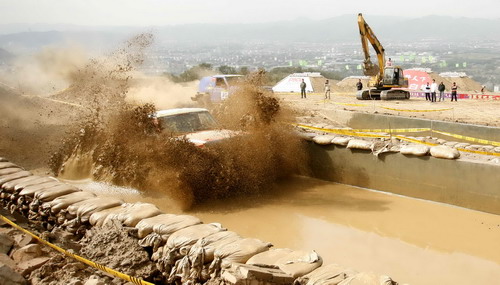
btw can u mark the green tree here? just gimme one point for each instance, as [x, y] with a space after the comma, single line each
[225, 69]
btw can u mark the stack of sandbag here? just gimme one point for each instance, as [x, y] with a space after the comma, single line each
[239, 251]
[323, 139]
[326, 275]
[446, 152]
[360, 144]
[414, 149]
[201, 255]
[127, 214]
[179, 243]
[292, 262]
[343, 141]
[155, 231]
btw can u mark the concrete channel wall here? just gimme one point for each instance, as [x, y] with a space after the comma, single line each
[465, 183]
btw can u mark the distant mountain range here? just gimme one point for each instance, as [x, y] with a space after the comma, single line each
[337, 29]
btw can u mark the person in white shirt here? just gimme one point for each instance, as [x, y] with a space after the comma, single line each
[433, 90]
[388, 62]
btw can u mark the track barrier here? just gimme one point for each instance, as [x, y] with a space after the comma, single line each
[79, 258]
[366, 133]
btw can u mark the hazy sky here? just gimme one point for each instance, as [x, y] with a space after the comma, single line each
[166, 12]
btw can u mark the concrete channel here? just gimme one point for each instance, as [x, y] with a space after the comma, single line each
[466, 183]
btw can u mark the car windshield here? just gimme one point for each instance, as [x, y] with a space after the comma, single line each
[188, 122]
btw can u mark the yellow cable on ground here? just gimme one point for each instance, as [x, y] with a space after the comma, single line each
[407, 110]
[79, 258]
[471, 139]
[339, 130]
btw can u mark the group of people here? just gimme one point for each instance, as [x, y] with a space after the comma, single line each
[431, 90]
[303, 86]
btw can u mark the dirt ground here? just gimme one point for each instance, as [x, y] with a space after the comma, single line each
[470, 111]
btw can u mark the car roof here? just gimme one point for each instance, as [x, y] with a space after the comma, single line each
[177, 111]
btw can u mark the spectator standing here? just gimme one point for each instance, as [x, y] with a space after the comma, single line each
[433, 90]
[388, 62]
[359, 85]
[454, 88]
[427, 90]
[441, 89]
[327, 90]
[303, 89]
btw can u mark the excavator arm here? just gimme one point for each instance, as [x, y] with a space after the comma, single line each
[367, 35]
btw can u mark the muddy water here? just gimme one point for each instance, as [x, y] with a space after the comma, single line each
[411, 240]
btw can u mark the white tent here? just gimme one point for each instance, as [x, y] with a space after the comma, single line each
[291, 83]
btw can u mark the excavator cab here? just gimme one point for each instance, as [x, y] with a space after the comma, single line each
[393, 77]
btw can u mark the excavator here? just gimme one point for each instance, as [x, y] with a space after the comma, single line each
[385, 80]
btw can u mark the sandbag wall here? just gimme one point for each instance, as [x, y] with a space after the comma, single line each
[185, 249]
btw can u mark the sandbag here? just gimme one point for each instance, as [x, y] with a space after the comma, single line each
[97, 219]
[307, 136]
[14, 176]
[56, 191]
[241, 250]
[9, 186]
[343, 141]
[209, 244]
[323, 139]
[131, 214]
[84, 209]
[293, 263]
[360, 144]
[188, 236]
[8, 164]
[368, 279]
[442, 151]
[331, 274]
[145, 226]
[9, 170]
[31, 190]
[167, 225]
[414, 149]
[269, 257]
[40, 180]
[65, 201]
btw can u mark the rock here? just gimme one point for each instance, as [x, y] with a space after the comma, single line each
[94, 280]
[23, 240]
[6, 243]
[28, 252]
[26, 267]
[75, 281]
[9, 276]
[5, 259]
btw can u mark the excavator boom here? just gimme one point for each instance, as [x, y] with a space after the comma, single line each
[367, 35]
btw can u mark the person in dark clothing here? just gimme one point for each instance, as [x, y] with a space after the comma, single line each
[359, 85]
[454, 88]
[441, 89]
[303, 89]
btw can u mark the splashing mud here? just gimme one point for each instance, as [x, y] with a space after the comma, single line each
[118, 142]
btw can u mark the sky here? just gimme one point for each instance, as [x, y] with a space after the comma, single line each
[170, 12]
